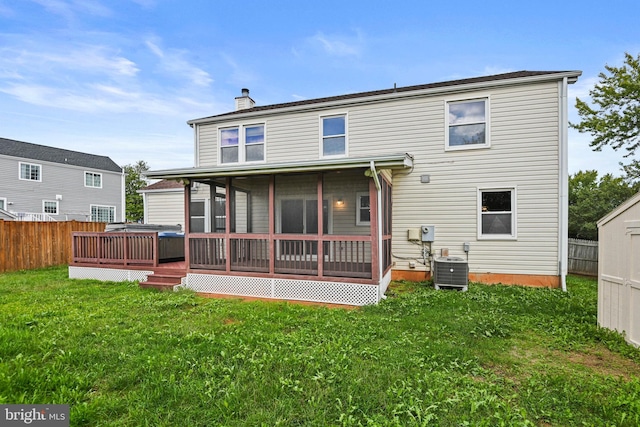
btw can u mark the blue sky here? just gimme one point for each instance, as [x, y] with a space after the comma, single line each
[121, 77]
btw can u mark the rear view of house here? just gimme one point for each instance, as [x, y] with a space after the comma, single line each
[329, 199]
[40, 183]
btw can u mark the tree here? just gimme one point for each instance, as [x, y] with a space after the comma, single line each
[133, 183]
[591, 198]
[614, 119]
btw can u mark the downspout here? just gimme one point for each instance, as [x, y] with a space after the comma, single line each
[145, 209]
[123, 199]
[374, 173]
[563, 226]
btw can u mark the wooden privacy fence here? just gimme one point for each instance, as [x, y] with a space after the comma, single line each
[583, 257]
[28, 245]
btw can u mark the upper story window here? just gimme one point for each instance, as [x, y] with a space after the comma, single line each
[30, 172]
[92, 179]
[334, 135]
[242, 144]
[50, 207]
[497, 213]
[467, 124]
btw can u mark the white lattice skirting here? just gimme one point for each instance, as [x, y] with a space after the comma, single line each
[108, 274]
[301, 290]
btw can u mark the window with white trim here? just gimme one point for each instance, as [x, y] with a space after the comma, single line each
[103, 213]
[242, 144]
[334, 135]
[3, 203]
[363, 209]
[93, 179]
[497, 213]
[50, 207]
[30, 172]
[467, 124]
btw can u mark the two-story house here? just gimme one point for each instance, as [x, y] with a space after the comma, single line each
[41, 183]
[330, 199]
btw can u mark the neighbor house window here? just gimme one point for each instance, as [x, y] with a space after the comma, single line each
[497, 213]
[363, 212]
[3, 203]
[92, 179]
[334, 135]
[30, 172]
[467, 124]
[50, 207]
[242, 144]
[103, 213]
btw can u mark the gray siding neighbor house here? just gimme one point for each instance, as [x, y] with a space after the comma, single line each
[40, 183]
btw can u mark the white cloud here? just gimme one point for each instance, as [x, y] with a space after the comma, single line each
[173, 62]
[69, 9]
[336, 45]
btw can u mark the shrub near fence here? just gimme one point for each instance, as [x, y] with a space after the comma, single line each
[28, 245]
[583, 257]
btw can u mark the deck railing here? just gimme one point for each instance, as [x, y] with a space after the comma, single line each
[116, 248]
[344, 256]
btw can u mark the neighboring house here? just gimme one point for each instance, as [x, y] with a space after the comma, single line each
[473, 168]
[163, 203]
[41, 183]
[619, 270]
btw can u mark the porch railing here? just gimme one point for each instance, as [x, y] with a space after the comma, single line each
[344, 256]
[116, 248]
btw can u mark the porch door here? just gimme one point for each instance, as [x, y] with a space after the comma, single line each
[299, 216]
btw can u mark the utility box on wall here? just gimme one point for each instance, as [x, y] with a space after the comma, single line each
[428, 233]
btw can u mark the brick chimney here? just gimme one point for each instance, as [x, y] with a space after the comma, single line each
[244, 102]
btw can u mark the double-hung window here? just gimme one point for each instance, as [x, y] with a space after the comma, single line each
[92, 179]
[30, 172]
[497, 213]
[103, 213]
[50, 207]
[242, 144]
[467, 124]
[363, 212]
[334, 135]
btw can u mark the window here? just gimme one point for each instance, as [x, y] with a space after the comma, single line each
[242, 144]
[50, 207]
[3, 203]
[103, 213]
[467, 124]
[497, 213]
[334, 136]
[363, 213]
[92, 179]
[30, 172]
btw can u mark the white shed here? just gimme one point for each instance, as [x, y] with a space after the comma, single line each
[619, 270]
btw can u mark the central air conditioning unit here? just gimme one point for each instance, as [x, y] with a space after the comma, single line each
[451, 272]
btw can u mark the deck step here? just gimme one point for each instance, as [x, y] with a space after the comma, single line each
[163, 281]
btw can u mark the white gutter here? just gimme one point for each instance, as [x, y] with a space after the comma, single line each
[563, 226]
[374, 173]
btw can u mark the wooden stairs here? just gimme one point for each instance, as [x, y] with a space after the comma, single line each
[164, 279]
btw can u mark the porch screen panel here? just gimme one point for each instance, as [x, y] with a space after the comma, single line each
[347, 193]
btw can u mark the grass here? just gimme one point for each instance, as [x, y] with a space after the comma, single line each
[495, 355]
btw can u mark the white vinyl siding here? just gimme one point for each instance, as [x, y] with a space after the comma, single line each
[165, 208]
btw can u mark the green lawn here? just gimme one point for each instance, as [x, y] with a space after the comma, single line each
[495, 355]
